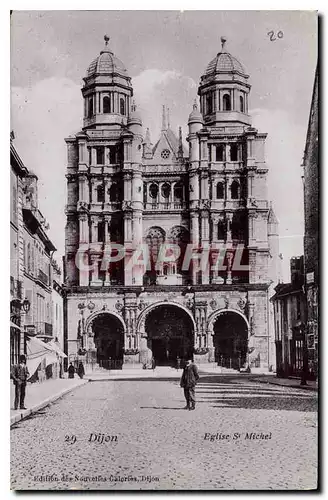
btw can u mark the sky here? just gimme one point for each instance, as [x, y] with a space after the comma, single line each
[165, 53]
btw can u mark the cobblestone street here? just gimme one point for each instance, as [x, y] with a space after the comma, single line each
[161, 446]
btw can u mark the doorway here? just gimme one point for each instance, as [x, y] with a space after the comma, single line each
[170, 334]
[230, 340]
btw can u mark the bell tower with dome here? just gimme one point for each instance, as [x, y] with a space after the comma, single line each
[224, 91]
[209, 204]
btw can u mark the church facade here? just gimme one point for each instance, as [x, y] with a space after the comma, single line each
[169, 253]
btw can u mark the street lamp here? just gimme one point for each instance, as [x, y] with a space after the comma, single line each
[25, 305]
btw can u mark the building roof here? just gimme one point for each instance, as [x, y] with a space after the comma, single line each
[105, 64]
[224, 62]
[283, 289]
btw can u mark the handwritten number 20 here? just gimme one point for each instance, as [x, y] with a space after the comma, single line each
[273, 36]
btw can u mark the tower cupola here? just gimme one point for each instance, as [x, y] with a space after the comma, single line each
[134, 120]
[107, 91]
[224, 90]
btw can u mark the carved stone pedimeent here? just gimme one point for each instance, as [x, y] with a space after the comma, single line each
[126, 205]
[119, 307]
[213, 304]
[189, 303]
[142, 304]
[242, 304]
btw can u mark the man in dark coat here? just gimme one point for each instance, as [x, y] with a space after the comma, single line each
[20, 374]
[71, 371]
[80, 370]
[188, 382]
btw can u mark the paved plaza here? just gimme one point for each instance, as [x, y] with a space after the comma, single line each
[134, 434]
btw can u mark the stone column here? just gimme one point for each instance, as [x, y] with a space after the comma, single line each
[107, 184]
[107, 150]
[229, 217]
[94, 229]
[227, 155]
[83, 228]
[82, 188]
[93, 157]
[95, 281]
[205, 246]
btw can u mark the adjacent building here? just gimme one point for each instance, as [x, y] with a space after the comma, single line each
[311, 228]
[18, 173]
[289, 303]
[199, 221]
[35, 278]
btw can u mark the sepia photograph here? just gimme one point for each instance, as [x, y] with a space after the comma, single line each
[164, 250]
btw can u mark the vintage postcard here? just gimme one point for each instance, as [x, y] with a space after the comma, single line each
[164, 250]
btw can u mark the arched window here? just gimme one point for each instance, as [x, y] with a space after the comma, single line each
[100, 194]
[209, 103]
[178, 192]
[90, 107]
[101, 231]
[234, 152]
[106, 104]
[112, 155]
[242, 106]
[166, 190]
[226, 102]
[153, 191]
[222, 230]
[179, 236]
[28, 257]
[113, 192]
[122, 106]
[100, 155]
[220, 191]
[145, 194]
[154, 239]
[220, 152]
[234, 188]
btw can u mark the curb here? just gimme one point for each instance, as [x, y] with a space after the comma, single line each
[294, 386]
[26, 413]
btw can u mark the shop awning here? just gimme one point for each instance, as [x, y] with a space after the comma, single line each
[57, 349]
[36, 351]
[12, 325]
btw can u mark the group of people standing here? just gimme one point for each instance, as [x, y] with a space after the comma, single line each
[80, 370]
[20, 375]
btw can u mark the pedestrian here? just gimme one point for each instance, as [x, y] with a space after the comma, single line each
[178, 363]
[20, 374]
[71, 371]
[188, 382]
[80, 370]
[153, 363]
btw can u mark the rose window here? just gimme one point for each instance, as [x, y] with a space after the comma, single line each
[165, 154]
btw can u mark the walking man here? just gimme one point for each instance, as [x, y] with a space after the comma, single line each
[188, 382]
[71, 370]
[80, 370]
[20, 374]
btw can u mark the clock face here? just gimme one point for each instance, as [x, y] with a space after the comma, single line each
[165, 154]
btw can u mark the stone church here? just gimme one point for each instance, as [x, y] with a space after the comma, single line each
[169, 253]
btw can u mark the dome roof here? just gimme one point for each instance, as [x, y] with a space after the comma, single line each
[195, 115]
[106, 63]
[135, 116]
[225, 63]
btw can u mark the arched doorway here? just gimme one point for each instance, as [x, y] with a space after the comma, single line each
[230, 340]
[170, 334]
[109, 340]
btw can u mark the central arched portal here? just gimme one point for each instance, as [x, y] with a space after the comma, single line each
[170, 334]
[230, 340]
[108, 338]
